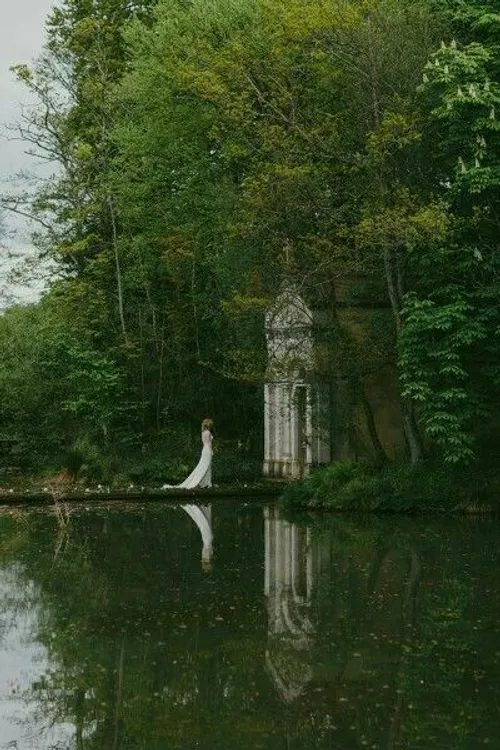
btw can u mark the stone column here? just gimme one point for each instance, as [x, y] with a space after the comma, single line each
[267, 431]
[309, 429]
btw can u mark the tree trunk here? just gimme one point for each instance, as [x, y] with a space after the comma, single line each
[119, 286]
[392, 267]
[160, 381]
[411, 430]
[380, 455]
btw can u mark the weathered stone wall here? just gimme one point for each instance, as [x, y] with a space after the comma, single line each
[365, 380]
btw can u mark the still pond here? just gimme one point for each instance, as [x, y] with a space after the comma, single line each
[307, 632]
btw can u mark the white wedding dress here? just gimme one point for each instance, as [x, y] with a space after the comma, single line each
[201, 476]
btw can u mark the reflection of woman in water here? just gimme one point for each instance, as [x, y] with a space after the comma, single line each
[201, 476]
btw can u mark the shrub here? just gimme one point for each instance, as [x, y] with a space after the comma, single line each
[87, 461]
[399, 487]
[157, 470]
[234, 465]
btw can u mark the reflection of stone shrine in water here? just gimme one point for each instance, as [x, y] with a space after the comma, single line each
[291, 564]
[303, 570]
[289, 579]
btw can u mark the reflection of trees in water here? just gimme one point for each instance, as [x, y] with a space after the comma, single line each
[370, 636]
[141, 647]
[306, 576]
[373, 665]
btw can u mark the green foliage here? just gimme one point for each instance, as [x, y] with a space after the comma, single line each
[449, 352]
[398, 487]
[435, 336]
[87, 461]
[322, 486]
[236, 465]
[156, 470]
[210, 151]
[54, 386]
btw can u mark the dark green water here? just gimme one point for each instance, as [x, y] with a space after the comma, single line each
[323, 633]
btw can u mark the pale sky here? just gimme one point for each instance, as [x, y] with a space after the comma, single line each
[21, 40]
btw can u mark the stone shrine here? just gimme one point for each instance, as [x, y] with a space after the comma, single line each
[294, 435]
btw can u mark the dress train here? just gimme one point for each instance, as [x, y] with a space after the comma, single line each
[201, 476]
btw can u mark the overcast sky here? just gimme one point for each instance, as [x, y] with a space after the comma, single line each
[21, 40]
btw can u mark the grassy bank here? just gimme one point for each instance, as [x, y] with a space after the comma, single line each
[86, 465]
[398, 487]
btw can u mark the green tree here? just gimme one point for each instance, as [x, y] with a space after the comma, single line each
[278, 122]
[450, 352]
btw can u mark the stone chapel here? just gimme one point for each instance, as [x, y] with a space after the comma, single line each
[295, 436]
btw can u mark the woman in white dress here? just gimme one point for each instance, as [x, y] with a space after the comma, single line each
[201, 476]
